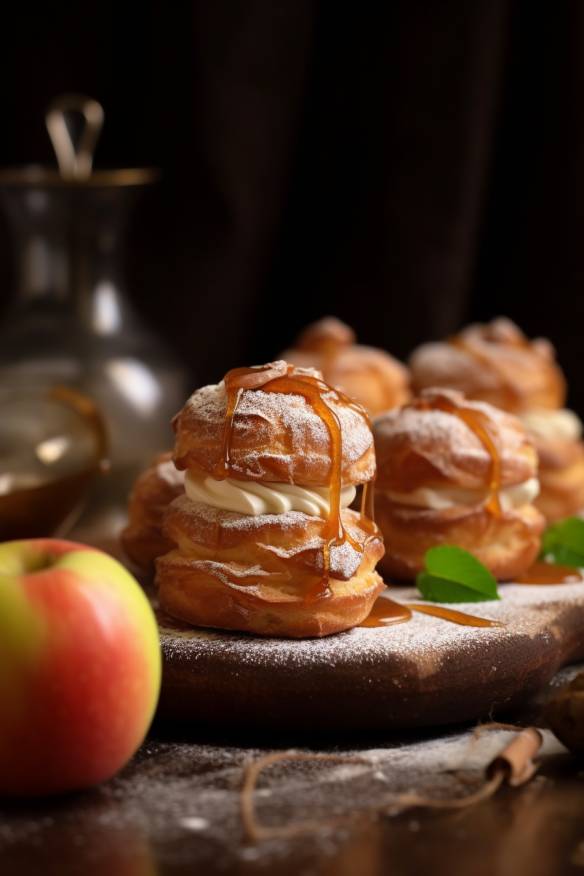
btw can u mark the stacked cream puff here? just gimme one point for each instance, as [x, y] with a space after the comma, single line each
[143, 539]
[457, 472]
[371, 376]
[265, 541]
[496, 363]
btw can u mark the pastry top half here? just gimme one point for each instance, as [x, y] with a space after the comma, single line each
[442, 442]
[265, 540]
[276, 430]
[495, 363]
[371, 376]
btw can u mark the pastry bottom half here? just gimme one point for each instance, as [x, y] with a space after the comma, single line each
[507, 544]
[204, 602]
[264, 575]
[561, 479]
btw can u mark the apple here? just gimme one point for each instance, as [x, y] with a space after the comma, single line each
[80, 666]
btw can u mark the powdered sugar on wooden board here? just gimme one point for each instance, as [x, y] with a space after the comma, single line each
[525, 610]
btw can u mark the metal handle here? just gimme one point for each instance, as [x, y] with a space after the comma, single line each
[74, 154]
[87, 409]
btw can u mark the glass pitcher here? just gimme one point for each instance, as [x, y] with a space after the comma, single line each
[71, 323]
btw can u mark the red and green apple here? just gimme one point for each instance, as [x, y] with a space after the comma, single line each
[79, 666]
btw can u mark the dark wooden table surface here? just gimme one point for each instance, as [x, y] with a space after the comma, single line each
[175, 810]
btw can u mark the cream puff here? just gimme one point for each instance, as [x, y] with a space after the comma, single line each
[453, 471]
[154, 490]
[265, 539]
[496, 363]
[371, 376]
[558, 440]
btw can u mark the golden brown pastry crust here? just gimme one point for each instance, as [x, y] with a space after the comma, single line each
[235, 571]
[369, 375]
[154, 490]
[421, 446]
[494, 363]
[275, 437]
[432, 448]
[506, 544]
[561, 477]
[497, 364]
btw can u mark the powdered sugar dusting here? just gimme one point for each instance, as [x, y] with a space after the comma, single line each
[496, 357]
[210, 402]
[176, 806]
[441, 364]
[306, 428]
[424, 428]
[451, 446]
[425, 641]
[344, 558]
[258, 411]
[242, 522]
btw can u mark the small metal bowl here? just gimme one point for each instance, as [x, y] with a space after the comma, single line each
[53, 445]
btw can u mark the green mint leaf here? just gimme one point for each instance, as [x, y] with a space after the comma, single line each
[454, 575]
[563, 542]
[443, 590]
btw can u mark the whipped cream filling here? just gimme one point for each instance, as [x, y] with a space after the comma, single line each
[254, 498]
[440, 498]
[560, 425]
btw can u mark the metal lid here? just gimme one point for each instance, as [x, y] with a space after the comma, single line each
[75, 152]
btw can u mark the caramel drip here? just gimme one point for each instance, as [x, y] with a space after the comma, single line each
[236, 381]
[386, 612]
[367, 513]
[455, 617]
[279, 378]
[478, 424]
[550, 573]
[366, 510]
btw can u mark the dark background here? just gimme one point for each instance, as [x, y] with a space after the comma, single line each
[406, 166]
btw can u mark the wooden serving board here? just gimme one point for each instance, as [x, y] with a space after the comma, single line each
[424, 672]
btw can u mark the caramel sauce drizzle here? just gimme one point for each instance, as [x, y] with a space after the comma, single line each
[367, 507]
[386, 612]
[281, 379]
[478, 423]
[550, 573]
[455, 617]
[514, 395]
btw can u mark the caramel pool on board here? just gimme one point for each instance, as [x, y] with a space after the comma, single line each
[386, 612]
[550, 573]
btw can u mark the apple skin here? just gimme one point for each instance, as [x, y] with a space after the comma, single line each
[80, 666]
